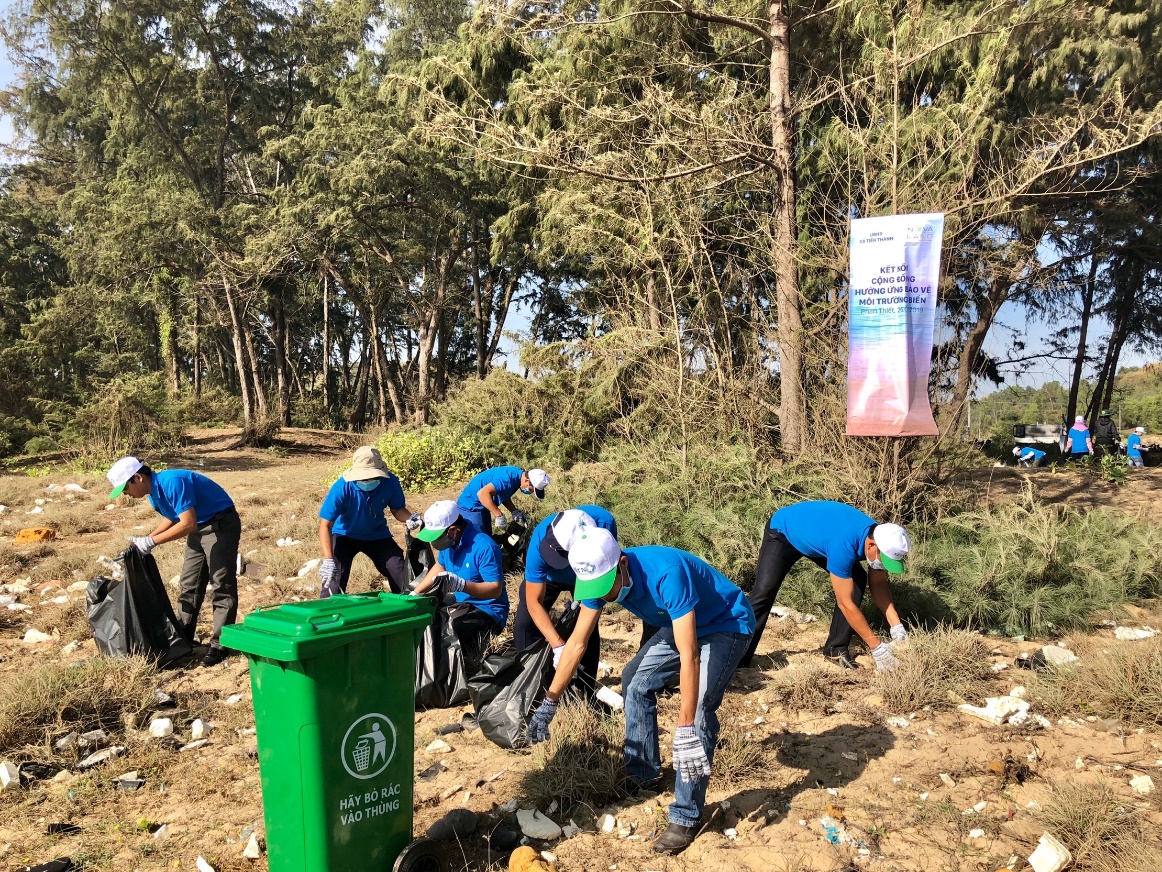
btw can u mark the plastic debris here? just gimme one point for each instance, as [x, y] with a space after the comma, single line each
[1132, 634]
[203, 866]
[1142, 784]
[103, 756]
[611, 698]
[1055, 655]
[36, 637]
[439, 746]
[198, 729]
[9, 775]
[161, 728]
[947, 779]
[288, 542]
[607, 823]
[996, 710]
[536, 826]
[309, 567]
[1050, 856]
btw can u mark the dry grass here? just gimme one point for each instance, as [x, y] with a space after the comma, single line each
[737, 757]
[65, 568]
[581, 764]
[55, 699]
[810, 686]
[70, 620]
[936, 668]
[1103, 833]
[1111, 679]
[19, 559]
[73, 519]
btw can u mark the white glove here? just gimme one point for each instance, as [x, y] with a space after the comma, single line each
[898, 633]
[690, 760]
[885, 660]
[415, 523]
[451, 583]
[144, 544]
[519, 517]
[557, 651]
[499, 525]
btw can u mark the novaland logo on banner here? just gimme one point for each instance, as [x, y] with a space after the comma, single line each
[368, 746]
[895, 272]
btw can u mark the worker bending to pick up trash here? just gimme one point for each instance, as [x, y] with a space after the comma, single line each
[547, 574]
[705, 625]
[835, 537]
[1134, 447]
[481, 499]
[351, 522]
[467, 572]
[193, 506]
[1029, 456]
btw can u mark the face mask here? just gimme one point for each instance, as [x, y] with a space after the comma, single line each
[367, 486]
[876, 564]
[625, 589]
[526, 492]
[444, 541]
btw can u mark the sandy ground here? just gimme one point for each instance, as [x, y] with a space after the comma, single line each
[885, 779]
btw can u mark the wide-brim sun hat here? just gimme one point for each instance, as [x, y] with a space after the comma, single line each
[366, 464]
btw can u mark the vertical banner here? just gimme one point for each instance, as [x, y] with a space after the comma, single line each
[895, 269]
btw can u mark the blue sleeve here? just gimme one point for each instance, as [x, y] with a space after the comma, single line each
[593, 604]
[332, 507]
[395, 497]
[179, 490]
[676, 592]
[488, 562]
[536, 570]
[841, 565]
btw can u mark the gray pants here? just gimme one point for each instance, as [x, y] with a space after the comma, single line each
[211, 560]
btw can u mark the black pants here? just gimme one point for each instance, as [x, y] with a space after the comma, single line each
[474, 629]
[776, 557]
[211, 561]
[526, 633]
[384, 553]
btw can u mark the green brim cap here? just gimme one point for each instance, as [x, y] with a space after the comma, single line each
[428, 534]
[595, 588]
[117, 491]
[891, 564]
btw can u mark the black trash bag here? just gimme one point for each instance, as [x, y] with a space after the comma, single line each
[62, 864]
[508, 688]
[134, 616]
[513, 542]
[418, 560]
[441, 673]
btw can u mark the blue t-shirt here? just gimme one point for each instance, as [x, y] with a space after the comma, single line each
[669, 583]
[1134, 445]
[825, 530]
[359, 514]
[477, 558]
[539, 572]
[506, 480]
[174, 491]
[1031, 454]
[1077, 441]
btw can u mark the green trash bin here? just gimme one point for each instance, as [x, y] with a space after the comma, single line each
[333, 684]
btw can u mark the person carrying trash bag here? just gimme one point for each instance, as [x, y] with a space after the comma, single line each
[482, 497]
[351, 522]
[1134, 447]
[547, 575]
[467, 573]
[835, 537]
[1029, 456]
[193, 506]
[704, 627]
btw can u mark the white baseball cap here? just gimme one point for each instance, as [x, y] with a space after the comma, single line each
[593, 558]
[894, 545]
[120, 473]
[438, 518]
[1139, 429]
[539, 479]
[562, 533]
[1017, 451]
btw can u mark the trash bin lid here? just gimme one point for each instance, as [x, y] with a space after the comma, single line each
[297, 630]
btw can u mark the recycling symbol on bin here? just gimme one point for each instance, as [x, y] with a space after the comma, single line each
[368, 746]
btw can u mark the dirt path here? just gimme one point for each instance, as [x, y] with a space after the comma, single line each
[883, 777]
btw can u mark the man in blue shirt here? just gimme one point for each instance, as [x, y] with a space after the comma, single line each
[468, 572]
[351, 521]
[704, 627]
[1134, 447]
[1029, 456]
[482, 497]
[835, 537]
[547, 574]
[192, 506]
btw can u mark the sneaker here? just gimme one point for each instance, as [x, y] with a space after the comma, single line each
[842, 659]
[214, 656]
[675, 839]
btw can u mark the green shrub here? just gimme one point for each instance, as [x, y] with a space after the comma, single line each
[40, 445]
[1120, 680]
[431, 457]
[214, 408]
[130, 415]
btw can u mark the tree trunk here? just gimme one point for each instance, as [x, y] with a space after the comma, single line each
[167, 319]
[197, 374]
[478, 308]
[442, 356]
[1087, 295]
[792, 399]
[379, 358]
[501, 308]
[281, 341]
[326, 348]
[239, 351]
[968, 366]
[255, 376]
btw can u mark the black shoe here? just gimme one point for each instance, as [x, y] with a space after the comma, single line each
[214, 656]
[675, 839]
[842, 659]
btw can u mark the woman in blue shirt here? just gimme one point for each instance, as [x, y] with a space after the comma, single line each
[351, 521]
[1080, 441]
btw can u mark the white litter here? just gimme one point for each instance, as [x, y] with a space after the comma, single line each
[849, 755]
[288, 542]
[897, 722]
[253, 850]
[536, 826]
[203, 866]
[1055, 655]
[35, 510]
[198, 729]
[309, 567]
[975, 834]
[996, 710]
[604, 670]
[1142, 784]
[438, 747]
[161, 728]
[611, 698]
[9, 775]
[35, 637]
[1131, 634]
[99, 757]
[947, 779]
[234, 699]
[1050, 856]
[194, 745]
[607, 823]
[730, 833]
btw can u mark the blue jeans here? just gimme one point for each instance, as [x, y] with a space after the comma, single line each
[656, 663]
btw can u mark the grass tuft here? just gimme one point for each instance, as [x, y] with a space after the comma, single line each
[811, 686]
[1103, 833]
[55, 699]
[935, 667]
[1110, 679]
[581, 764]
